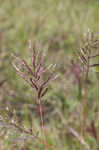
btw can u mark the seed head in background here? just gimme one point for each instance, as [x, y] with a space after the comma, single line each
[87, 55]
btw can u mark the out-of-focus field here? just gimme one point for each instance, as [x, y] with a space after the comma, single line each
[59, 26]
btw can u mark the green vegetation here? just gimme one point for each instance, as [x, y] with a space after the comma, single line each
[60, 28]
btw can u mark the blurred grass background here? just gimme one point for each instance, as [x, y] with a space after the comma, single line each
[59, 26]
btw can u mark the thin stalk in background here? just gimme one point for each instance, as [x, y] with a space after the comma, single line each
[83, 119]
[84, 97]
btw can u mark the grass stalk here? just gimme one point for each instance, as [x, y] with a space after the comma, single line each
[42, 122]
